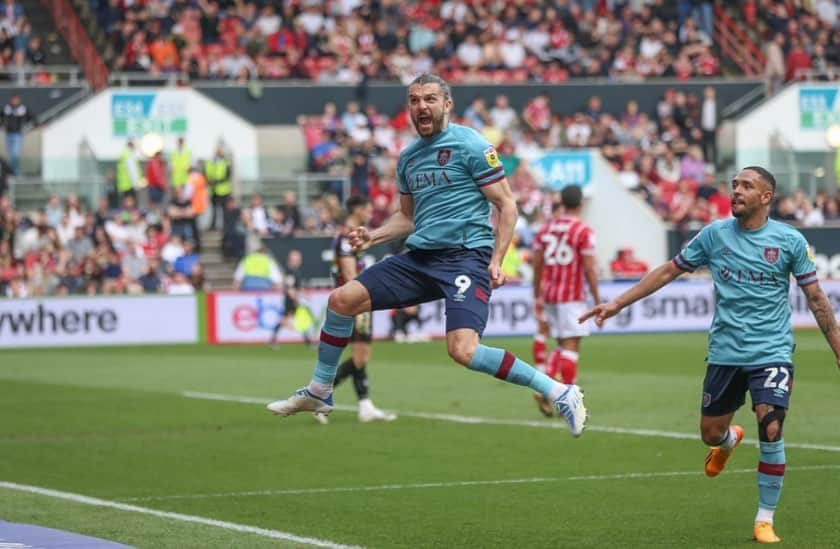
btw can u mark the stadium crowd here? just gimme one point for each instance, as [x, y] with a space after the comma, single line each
[20, 46]
[352, 41]
[65, 249]
[668, 159]
[800, 37]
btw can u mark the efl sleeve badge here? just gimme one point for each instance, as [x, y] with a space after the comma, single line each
[492, 157]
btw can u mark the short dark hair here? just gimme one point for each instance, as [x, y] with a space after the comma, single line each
[571, 196]
[765, 175]
[428, 78]
[356, 201]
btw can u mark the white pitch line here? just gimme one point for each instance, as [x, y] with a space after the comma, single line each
[425, 485]
[545, 424]
[87, 500]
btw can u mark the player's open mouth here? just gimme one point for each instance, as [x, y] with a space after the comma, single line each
[424, 120]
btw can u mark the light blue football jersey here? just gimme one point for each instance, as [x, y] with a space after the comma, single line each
[751, 272]
[444, 175]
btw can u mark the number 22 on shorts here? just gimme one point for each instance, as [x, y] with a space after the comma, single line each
[777, 378]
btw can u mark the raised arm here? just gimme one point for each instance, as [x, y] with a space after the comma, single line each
[500, 196]
[652, 281]
[398, 226]
[824, 314]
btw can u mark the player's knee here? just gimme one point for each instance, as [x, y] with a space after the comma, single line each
[461, 351]
[770, 426]
[340, 301]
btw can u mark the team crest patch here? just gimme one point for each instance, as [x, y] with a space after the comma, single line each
[492, 157]
[771, 255]
[443, 156]
[707, 399]
[811, 254]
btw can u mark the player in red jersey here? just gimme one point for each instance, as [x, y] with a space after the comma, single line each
[564, 255]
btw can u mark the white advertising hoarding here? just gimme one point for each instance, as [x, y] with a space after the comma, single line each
[680, 306]
[119, 320]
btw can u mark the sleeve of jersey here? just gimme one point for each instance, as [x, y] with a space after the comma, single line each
[587, 242]
[695, 252]
[804, 268]
[483, 163]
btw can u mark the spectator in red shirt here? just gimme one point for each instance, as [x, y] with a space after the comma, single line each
[721, 203]
[625, 265]
[156, 179]
[537, 113]
[797, 60]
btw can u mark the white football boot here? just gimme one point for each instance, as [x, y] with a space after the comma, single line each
[570, 406]
[368, 412]
[301, 401]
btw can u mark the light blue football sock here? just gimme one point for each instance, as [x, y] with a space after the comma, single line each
[771, 473]
[334, 337]
[505, 366]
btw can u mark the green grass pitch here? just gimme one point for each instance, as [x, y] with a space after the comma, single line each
[114, 424]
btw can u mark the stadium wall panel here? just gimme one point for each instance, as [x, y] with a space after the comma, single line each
[271, 105]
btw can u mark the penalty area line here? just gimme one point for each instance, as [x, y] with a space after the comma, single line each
[458, 484]
[230, 526]
[544, 424]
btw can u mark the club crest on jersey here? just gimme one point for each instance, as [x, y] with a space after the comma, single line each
[771, 255]
[492, 157]
[443, 156]
[811, 257]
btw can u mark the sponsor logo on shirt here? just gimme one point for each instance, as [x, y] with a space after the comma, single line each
[422, 180]
[741, 276]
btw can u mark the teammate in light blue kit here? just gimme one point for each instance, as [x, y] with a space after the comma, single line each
[751, 259]
[448, 179]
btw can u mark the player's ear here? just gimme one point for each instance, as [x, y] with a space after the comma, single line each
[767, 197]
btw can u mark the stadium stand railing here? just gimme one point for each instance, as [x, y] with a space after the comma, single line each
[736, 45]
[81, 46]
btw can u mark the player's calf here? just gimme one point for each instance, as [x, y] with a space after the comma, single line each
[771, 465]
[566, 399]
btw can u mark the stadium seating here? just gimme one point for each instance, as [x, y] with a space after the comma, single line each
[464, 41]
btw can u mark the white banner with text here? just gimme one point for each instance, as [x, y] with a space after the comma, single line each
[113, 320]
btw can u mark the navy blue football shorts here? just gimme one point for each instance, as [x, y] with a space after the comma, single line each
[725, 387]
[458, 275]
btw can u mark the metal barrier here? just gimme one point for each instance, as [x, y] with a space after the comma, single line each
[44, 75]
[305, 185]
[32, 192]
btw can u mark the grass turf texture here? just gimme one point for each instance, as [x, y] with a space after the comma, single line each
[112, 423]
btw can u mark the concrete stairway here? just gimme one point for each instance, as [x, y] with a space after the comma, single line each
[217, 270]
[43, 26]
